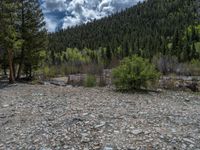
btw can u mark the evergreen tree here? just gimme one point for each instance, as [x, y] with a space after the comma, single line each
[34, 35]
[9, 35]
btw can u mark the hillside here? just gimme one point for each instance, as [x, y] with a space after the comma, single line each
[155, 26]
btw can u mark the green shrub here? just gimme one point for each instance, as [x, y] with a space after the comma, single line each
[49, 72]
[134, 73]
[194, 67]
[90, 81]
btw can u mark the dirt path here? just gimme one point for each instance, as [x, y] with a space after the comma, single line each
[75, 118]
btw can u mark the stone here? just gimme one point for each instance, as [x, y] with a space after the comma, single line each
[159, 90]
[44, 148]
[137, 131]
[173, 130]
[116, 131]
[85, 138]
[100, 125]
[187, 100]
[5, 105]
[1, 145]
[188, 140]
[108, 148]
[65, 146]
[85, 114]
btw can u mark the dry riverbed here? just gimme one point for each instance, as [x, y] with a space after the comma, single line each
[48, 117]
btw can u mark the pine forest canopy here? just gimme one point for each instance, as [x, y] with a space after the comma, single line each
[170, 27]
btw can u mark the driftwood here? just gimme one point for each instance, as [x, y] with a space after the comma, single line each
[193, 87]
[181, 82]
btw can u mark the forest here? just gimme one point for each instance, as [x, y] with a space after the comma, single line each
[166, 32]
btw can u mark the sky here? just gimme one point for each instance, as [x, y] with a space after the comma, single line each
[61, 14]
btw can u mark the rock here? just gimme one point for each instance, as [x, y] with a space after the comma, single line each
[137, 131]
[159, 90]
[116, 131]
[100, 125]
[188, 140]
[191, 146]
[5, 105]
[2, 116]
[1, 146]
[37, 94]
[46, 83]
[162, 137]
[85, 114]
[44, 148]
[108, 148]
[85, 138]
[65, 146]
[187, 100]
[69, 86]
[173, 130]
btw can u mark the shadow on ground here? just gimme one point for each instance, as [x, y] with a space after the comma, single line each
[3, 83]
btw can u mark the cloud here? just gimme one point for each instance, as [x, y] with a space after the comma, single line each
[53, 5]
[51, 24]
[66, 13]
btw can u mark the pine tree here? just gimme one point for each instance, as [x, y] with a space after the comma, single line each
[34, 35]
[9, 35]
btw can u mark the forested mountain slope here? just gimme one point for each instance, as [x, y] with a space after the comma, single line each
[170, 27]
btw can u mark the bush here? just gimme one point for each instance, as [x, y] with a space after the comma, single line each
[90, 81]
[166, 64]
[49, 72]
[134, 73]
[194, 67]
[171, 65]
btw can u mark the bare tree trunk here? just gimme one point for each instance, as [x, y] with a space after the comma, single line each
[10, 61]
[14, 70]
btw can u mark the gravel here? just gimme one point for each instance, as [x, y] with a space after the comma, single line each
[48, 117]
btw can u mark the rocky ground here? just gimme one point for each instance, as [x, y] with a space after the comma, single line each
[48, 117]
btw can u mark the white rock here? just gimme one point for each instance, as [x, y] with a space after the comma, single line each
[100, 125]
[5, 105]
[188, 140]
[173, 130]
[85, 138]
[108, 148]
[137, 131]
